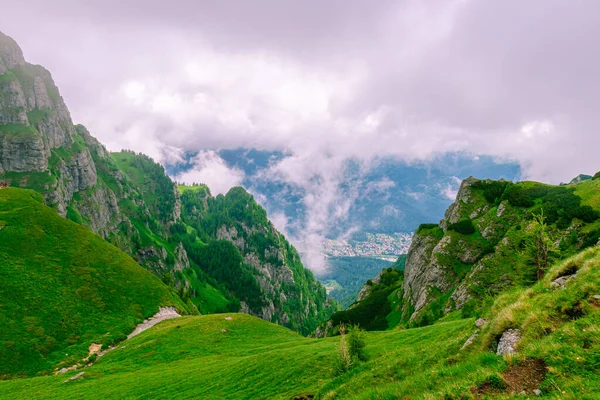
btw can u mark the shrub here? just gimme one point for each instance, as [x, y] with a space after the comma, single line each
[464, 226]
[492, 190]
[423, 227]
[596, 175]
[352, 349]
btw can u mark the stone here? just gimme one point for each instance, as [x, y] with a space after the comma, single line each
[75, 377]
[223, 330]
[470, 340]
[228, 318]
[596, 297]
[508, 342]
[63, 370]
[163, 313]
[561, 283]
[501, 209]
[537, 392]
[481, 322]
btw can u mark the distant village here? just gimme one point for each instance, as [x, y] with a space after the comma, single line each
[375, 245]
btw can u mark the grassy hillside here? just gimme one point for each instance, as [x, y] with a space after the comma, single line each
[489, 243]
[63, 287]
[192, 357]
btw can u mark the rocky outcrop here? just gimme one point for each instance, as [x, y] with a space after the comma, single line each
[75, 175]
[456, 210]
[22, 153]
[32, 113]
[508, 342]
[11, 55]
[423, 271]
[181, 256]
[99, 207]
[13, 105]
[365, 291]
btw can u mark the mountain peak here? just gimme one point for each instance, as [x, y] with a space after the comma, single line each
[11, 54]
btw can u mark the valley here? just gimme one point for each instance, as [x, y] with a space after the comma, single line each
[293, 272]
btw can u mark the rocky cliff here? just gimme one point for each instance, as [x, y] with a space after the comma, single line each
[487, 241]
[129, 200]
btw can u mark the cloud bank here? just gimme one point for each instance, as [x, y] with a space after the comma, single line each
[326, 82]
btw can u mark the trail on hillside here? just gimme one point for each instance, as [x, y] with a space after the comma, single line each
[164, 313]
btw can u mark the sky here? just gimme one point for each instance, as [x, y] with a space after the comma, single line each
[325, 81]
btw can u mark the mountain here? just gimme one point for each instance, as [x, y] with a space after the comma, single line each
[64, 288]
[231, 239]
[129, 200]
[496, 236]
[385, 195]
[346, 275]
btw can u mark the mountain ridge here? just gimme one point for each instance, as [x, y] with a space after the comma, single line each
[128, 199]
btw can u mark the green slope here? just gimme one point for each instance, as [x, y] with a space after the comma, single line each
[63, 287]
[192, 357]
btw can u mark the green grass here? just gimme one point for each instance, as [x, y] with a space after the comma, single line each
[589, 191]
[194, 189]
[38, 181]
[19, 131]
[208, 299]
[192, 357]
[63, 287]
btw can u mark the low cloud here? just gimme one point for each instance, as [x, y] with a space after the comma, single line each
[211, 170]
[327, 82]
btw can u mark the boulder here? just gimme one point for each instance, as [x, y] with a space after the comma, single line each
[481, 322]
[508, 342]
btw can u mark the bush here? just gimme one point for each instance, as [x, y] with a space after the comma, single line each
[596, 175]
[422, 227]
[492, 190]
[464, 226]
[356, 343]
[352, 349]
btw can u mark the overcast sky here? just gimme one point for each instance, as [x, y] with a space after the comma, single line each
[339, 78]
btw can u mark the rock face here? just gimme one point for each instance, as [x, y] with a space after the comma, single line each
[423, 271]
[33, 117]
[11, 55]
[508, 342]
[23, 153]
[483, 246]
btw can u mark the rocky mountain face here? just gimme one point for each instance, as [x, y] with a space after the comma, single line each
[129, 200]
[489, 241]
[496, 237]
[289, 294]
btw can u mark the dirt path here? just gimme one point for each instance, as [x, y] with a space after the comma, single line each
[163, 314]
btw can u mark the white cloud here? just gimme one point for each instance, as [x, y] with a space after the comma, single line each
[327, 82]
[211, 170]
